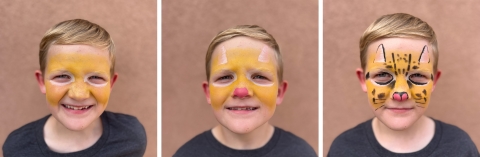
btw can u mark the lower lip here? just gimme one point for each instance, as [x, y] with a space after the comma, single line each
[72, 111]
[242, 111]
[396, 110]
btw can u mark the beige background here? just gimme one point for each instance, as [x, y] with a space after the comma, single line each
[187, 29]
[454, 100]
[131, 24]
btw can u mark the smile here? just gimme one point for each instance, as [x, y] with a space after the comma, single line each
[242, 108]
[77, 108]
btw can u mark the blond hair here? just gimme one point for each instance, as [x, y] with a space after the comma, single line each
[251, 31]
[77, 31]
[398, 25]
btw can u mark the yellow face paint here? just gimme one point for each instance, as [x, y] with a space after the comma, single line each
[78, 76]
[399, 75]
[243, 68]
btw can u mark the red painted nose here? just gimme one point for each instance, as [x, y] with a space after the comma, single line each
[240, 92]
[400, 96]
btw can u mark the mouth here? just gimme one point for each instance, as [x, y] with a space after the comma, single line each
[242, 108]
[399, 110]
[77, 107]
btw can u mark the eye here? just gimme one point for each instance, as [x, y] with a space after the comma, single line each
[224, 79]
[62, 78]
[259, 77]
[382, 78]
[96, 79]
[418, 79]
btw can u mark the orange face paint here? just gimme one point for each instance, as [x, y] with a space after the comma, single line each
[243, 71]
[399, 75]
[78, 76]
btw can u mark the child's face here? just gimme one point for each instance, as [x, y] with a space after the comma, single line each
[399, 80]
[77, 84]
[243, 88]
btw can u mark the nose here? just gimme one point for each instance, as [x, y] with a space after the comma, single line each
[240, 93]
[78, 91]
[400, 96]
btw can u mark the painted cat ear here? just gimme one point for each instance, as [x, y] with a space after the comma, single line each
[424, 57]
[380, 54]
[223, 56]
[263, 57]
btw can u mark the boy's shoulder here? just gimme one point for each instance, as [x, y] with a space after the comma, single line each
[353, 142]
[24, 138]
[453, 139]
[448, 140]
[282, 143]
[122, 134]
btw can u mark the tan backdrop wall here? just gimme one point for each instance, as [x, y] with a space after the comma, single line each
[131, 24]
[187, 28]
[454, 100]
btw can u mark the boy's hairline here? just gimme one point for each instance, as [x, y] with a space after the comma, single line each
[430, 44]
[48, 48]
[277, 62]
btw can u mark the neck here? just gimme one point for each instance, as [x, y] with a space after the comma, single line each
[63, 140]
[411, 139]
[252, 140]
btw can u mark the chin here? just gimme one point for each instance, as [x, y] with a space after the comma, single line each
[398, 123]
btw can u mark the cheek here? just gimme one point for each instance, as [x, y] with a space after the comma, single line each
[218, 95]
[101, 94]
[421, 94]
[267, 95]
[54, 93]
[377, 95]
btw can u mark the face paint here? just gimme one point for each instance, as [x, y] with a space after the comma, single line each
[78, 76]
[243, 72]
[399, 75]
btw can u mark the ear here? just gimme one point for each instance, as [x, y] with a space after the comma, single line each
[361, 78]
[437, 76]
[40, 81]
[282, 88]
[206, 90]
[113, 80]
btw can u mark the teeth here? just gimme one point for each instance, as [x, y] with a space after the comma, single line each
[242, 108]
[76, 108]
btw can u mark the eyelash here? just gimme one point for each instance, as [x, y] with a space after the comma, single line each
[96, 77]
[259, 77]
[225, 77]
[62, 76]
[418, 75]
[382, 74]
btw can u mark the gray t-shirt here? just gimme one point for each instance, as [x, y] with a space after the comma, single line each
[282, 144]
[448, 140]
[123, 135]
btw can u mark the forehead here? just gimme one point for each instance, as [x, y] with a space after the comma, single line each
[399, 45]
[77, 53]
[242, 42]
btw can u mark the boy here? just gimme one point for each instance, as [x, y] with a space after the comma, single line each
[76, 75]
[244, 85]
[399, 57]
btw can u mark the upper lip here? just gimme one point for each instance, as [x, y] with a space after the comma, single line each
[240, 106]
[399, 108]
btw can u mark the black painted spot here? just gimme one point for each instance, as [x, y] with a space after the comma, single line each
[410, 85]
[389, 66]
[367, 76]
[373, 92]
[405, 54]
[381, 95]
[415, 67]
[418, 95]
[431, 76]
[424, 91]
